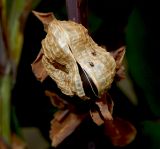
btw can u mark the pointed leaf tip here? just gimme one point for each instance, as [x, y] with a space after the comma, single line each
[45, 18]
[119, 55]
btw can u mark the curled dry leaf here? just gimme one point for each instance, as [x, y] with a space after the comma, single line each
[77, 64]
[119, 56]
[56, 100]
[63, 124]
[104, 109]
[68, 47]
[38, 68]
[65, 121]
[96, 117]
[45, 18]
[120, 132]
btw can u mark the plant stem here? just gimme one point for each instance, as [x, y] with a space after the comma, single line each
[5, 79]
[77, 11]
[5, 93]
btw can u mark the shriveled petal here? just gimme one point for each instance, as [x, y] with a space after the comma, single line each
[103, 107]
[102, 110]
[96, 117]
[38, 68]
[56, 100]
[119, 56]
[109, 101]
[63, 125]
[120, 132]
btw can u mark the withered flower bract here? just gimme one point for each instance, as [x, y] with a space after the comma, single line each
[81, 68]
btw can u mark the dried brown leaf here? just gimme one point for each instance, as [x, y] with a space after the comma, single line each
[61, 115]
[118, 56]
[104, 111]
[56, 100]
[96, 117]
[120, 132]
[109, 102]
[103, 107]
[63, 125]
[45, 18]
[38, 68]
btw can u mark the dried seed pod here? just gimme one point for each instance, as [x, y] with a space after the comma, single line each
[79, 67]
[72, 59]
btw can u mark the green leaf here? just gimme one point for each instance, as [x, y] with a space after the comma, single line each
[17, 18]
[151, 131]
[141, 58]
[14, 24]
[5, 93]
[8, 6]
[12, 20]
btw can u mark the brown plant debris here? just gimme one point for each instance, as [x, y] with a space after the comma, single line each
[38, 68]
[56, 100]
[119, 56]
[121, 132]
[63, 124]
[103, 111]
[78, 65]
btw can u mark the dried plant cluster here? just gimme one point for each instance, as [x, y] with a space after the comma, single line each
[78, 65]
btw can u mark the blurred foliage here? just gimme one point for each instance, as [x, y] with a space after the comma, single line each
[5, 88]
[13, 15]
[151, 133]
[17, 16]
[142, 58]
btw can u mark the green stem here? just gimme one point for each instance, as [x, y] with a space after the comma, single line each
[5, 93]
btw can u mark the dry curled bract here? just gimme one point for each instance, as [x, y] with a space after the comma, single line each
[103, 111]
[63, 124]
[68, 46]
[77, 64]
